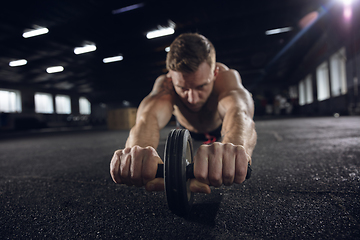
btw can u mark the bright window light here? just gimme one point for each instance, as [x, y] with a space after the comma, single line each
[44, 103]
[322, 82]
[85, 49]
[17, 63]
[278, 30]
[63, 104]
[338, 73]
[55, 69]
[160, 33]
[36, 32]
[10, 100]
[302, 96]
[85, 106]
[113, 59]
[308, 90]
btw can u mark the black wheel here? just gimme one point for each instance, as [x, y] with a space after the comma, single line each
[178, 154]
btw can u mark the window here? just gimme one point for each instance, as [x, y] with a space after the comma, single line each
[338, 73]
[63, 104]
[85, 106]
[322, 80]
[10, 100]
[302, 96]
[308, 90]
[44, 103]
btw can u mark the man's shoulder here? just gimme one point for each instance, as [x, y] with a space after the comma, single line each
[222, 67]
[227, 79]
[161, 79]
[160, 96]
[162, 86]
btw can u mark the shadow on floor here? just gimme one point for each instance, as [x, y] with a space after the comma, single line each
[205, 213]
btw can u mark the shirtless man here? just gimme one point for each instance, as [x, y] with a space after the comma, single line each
[204, 96]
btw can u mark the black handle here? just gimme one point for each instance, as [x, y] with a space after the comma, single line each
[190, 171]
[160, 171]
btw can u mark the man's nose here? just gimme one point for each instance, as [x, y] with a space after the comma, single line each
[193, 96]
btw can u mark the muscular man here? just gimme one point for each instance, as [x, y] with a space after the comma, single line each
[204, 96]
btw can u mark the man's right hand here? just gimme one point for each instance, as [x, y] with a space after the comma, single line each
[137, 166]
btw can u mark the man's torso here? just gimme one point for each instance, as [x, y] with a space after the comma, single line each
[209, 118]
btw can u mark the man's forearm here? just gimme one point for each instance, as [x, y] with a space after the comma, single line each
[144, 134]
[239, 129]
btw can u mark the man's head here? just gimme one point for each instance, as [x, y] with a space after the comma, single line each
[192, 66]
[188, 51]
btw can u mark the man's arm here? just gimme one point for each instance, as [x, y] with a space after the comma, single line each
[137, 163]
[238, 112]
[226, 162]
[153, 114]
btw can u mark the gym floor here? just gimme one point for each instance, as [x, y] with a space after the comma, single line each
[305, 185]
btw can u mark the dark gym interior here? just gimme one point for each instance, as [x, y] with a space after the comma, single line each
[300, 60]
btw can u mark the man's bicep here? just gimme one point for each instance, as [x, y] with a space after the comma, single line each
[164, 110]
[155, 108]
[239, 99]
[158, 105]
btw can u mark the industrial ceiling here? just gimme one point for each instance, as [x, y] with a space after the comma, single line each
[236, 28]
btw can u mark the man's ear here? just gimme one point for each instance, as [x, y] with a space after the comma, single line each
[216, 71]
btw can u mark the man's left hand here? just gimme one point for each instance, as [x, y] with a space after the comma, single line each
[217, 164]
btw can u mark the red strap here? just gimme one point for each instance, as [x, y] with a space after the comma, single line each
[210, 138]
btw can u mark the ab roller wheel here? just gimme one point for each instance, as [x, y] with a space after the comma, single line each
[178, 170]
[178, 156]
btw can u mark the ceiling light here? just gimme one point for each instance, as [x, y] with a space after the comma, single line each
[85, 49]
[55, 69]
[128, 8]
[167, 49]
[112, 59]
[35, 32]
[160, 33]
[16, 63]
[278, 30]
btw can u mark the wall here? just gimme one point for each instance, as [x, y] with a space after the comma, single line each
[333, 37]
[29, 119]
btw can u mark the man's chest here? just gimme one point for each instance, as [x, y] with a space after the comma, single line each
[207, 119]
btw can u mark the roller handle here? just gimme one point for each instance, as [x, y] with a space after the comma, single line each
[190, 171]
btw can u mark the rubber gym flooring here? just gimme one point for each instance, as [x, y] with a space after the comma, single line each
[305, 184]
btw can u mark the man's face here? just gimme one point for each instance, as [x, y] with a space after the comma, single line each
[194, 88]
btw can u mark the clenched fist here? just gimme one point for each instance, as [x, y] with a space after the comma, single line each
[137, 166]
[217, 164]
